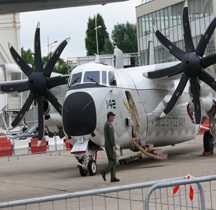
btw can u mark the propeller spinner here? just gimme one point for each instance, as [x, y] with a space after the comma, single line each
[39, 83]
[192, 65]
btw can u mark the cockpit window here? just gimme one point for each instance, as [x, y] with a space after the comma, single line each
[76, 78]
[92, 76]
[112, 79]
[104, 77]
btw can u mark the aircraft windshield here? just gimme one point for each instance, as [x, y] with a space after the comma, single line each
[112, 79]
[92, 76]
[76, 78]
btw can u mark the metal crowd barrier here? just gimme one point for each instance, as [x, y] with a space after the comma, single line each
[163, 198]
[128, 197]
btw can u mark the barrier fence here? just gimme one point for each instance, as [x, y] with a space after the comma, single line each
[134, 196]
[29, 146]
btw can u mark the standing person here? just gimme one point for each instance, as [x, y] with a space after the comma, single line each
[110, 148]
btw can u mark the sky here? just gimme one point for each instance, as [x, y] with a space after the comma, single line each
[59, 24]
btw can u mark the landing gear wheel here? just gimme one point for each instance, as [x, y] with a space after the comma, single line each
[92, 167]
[82, 171]
[207, 142]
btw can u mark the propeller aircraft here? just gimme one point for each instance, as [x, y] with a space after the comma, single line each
[154, 104]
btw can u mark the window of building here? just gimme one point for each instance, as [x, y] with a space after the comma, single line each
[166, 18]
[140, 27]
[143, 26]
[153, 20]
[158, 19]
[169, 10]
[150, 24]
[179, 8]
[162, 19]
[147, 25]
[174, 15]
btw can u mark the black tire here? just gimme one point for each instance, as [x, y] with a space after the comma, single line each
[92, 167]
[82, 171]
[207, 142]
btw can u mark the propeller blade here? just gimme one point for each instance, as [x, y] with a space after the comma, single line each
[208, 60]
[20, 62]
[37, 50]
[175, 96]
[51, 63]
[208, 79]
[187, 31]
[173, 49]
[205, 38]
[56, 81]
[196, 100]
[40, 120]
[14, 87]
[54, 101]
[23, 111]
[164, 73]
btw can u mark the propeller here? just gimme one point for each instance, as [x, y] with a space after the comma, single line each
[192, 65]
[39, 82]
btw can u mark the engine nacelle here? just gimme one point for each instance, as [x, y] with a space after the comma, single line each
[204, 90]
[206, 104]
[53, 120]
[46, 106]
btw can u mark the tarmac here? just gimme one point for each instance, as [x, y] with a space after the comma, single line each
[39, 175]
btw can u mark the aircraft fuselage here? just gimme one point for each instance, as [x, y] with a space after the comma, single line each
[136, 101]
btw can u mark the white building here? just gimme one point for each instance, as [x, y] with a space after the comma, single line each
[167, 17]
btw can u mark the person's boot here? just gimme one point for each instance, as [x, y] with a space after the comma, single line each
[115, 180]
[103, 175]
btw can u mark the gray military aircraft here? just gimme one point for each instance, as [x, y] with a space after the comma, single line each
[137, 96]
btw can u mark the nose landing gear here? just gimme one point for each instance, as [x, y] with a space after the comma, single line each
[85, 151]
[86, 166]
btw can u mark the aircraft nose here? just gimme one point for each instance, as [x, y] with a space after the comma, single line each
[79, 114]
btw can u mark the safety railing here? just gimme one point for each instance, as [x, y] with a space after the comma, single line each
[165, 194]
[131, 196]
[134, 196]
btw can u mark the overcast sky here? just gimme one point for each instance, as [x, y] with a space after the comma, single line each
[60, 24]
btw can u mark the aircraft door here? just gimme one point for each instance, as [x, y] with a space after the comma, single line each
[134, 114]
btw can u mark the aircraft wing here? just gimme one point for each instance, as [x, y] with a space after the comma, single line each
[15, 6]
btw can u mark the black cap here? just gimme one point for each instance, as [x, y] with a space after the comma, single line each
[110, 114]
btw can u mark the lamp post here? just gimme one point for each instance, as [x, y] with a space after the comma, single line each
[49, 45]
[96, 27]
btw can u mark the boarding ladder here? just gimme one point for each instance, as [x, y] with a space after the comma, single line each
[149, 150]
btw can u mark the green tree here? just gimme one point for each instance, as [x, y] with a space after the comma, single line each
[28, 56]
[90, 40]
[108, 47]
[61, 67]
[124, 36]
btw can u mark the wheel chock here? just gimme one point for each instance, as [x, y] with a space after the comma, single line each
[206, 153]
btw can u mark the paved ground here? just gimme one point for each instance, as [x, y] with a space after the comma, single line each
[42, 175]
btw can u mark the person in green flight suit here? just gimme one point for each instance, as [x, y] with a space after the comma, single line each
[110, 149]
